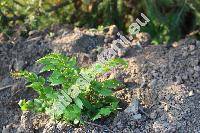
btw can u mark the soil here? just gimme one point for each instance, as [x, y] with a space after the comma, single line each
[161, 93]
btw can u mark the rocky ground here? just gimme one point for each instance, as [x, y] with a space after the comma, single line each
[162, 84]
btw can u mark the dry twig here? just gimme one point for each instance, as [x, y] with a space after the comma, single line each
[5, 87]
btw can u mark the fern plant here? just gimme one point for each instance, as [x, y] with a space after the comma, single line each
[69, 92]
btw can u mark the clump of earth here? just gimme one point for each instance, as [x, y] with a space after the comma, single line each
[161, 90]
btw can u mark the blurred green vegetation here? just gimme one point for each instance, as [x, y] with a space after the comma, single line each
[170, 19]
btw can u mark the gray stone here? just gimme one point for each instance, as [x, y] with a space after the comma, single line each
[191, 47]
[191, 93]
[5, 129]
[197, 68]
[153, 115]
[153, 83]
[137, 116]
[19, 65]
[133, 107]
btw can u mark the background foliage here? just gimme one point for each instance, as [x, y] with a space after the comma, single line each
[170, 19]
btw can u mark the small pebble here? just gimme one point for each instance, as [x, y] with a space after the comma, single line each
[191, 93]
[191, 47]
[153, 115]
[166, 107]
[137, 116]
[197, 68]
[133, 107]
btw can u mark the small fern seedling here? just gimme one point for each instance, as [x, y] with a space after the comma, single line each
[69, 92]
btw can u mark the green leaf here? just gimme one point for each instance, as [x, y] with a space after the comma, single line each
[31, 77]
[23, 105]
[37, 102]
[97, 116]
[82, 83]
[114, 105]
[117, 61]
[72, 62]
[26, 105]
[57, 109]
[87, 74]
[57, 81]
[62, 100]
[41, 80]
[56, 78]
[105, 111]
[47, 68]
[66, 96]
[52, 57]
[88, 105]
[111, 99]
[49, 93]
[76, 121]
[78, 102]
[100, 68]
[105, 92]
[112, 84]
[102, 112]
[36, 86]
[74, 91]
[48, 90]
[72, 113]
